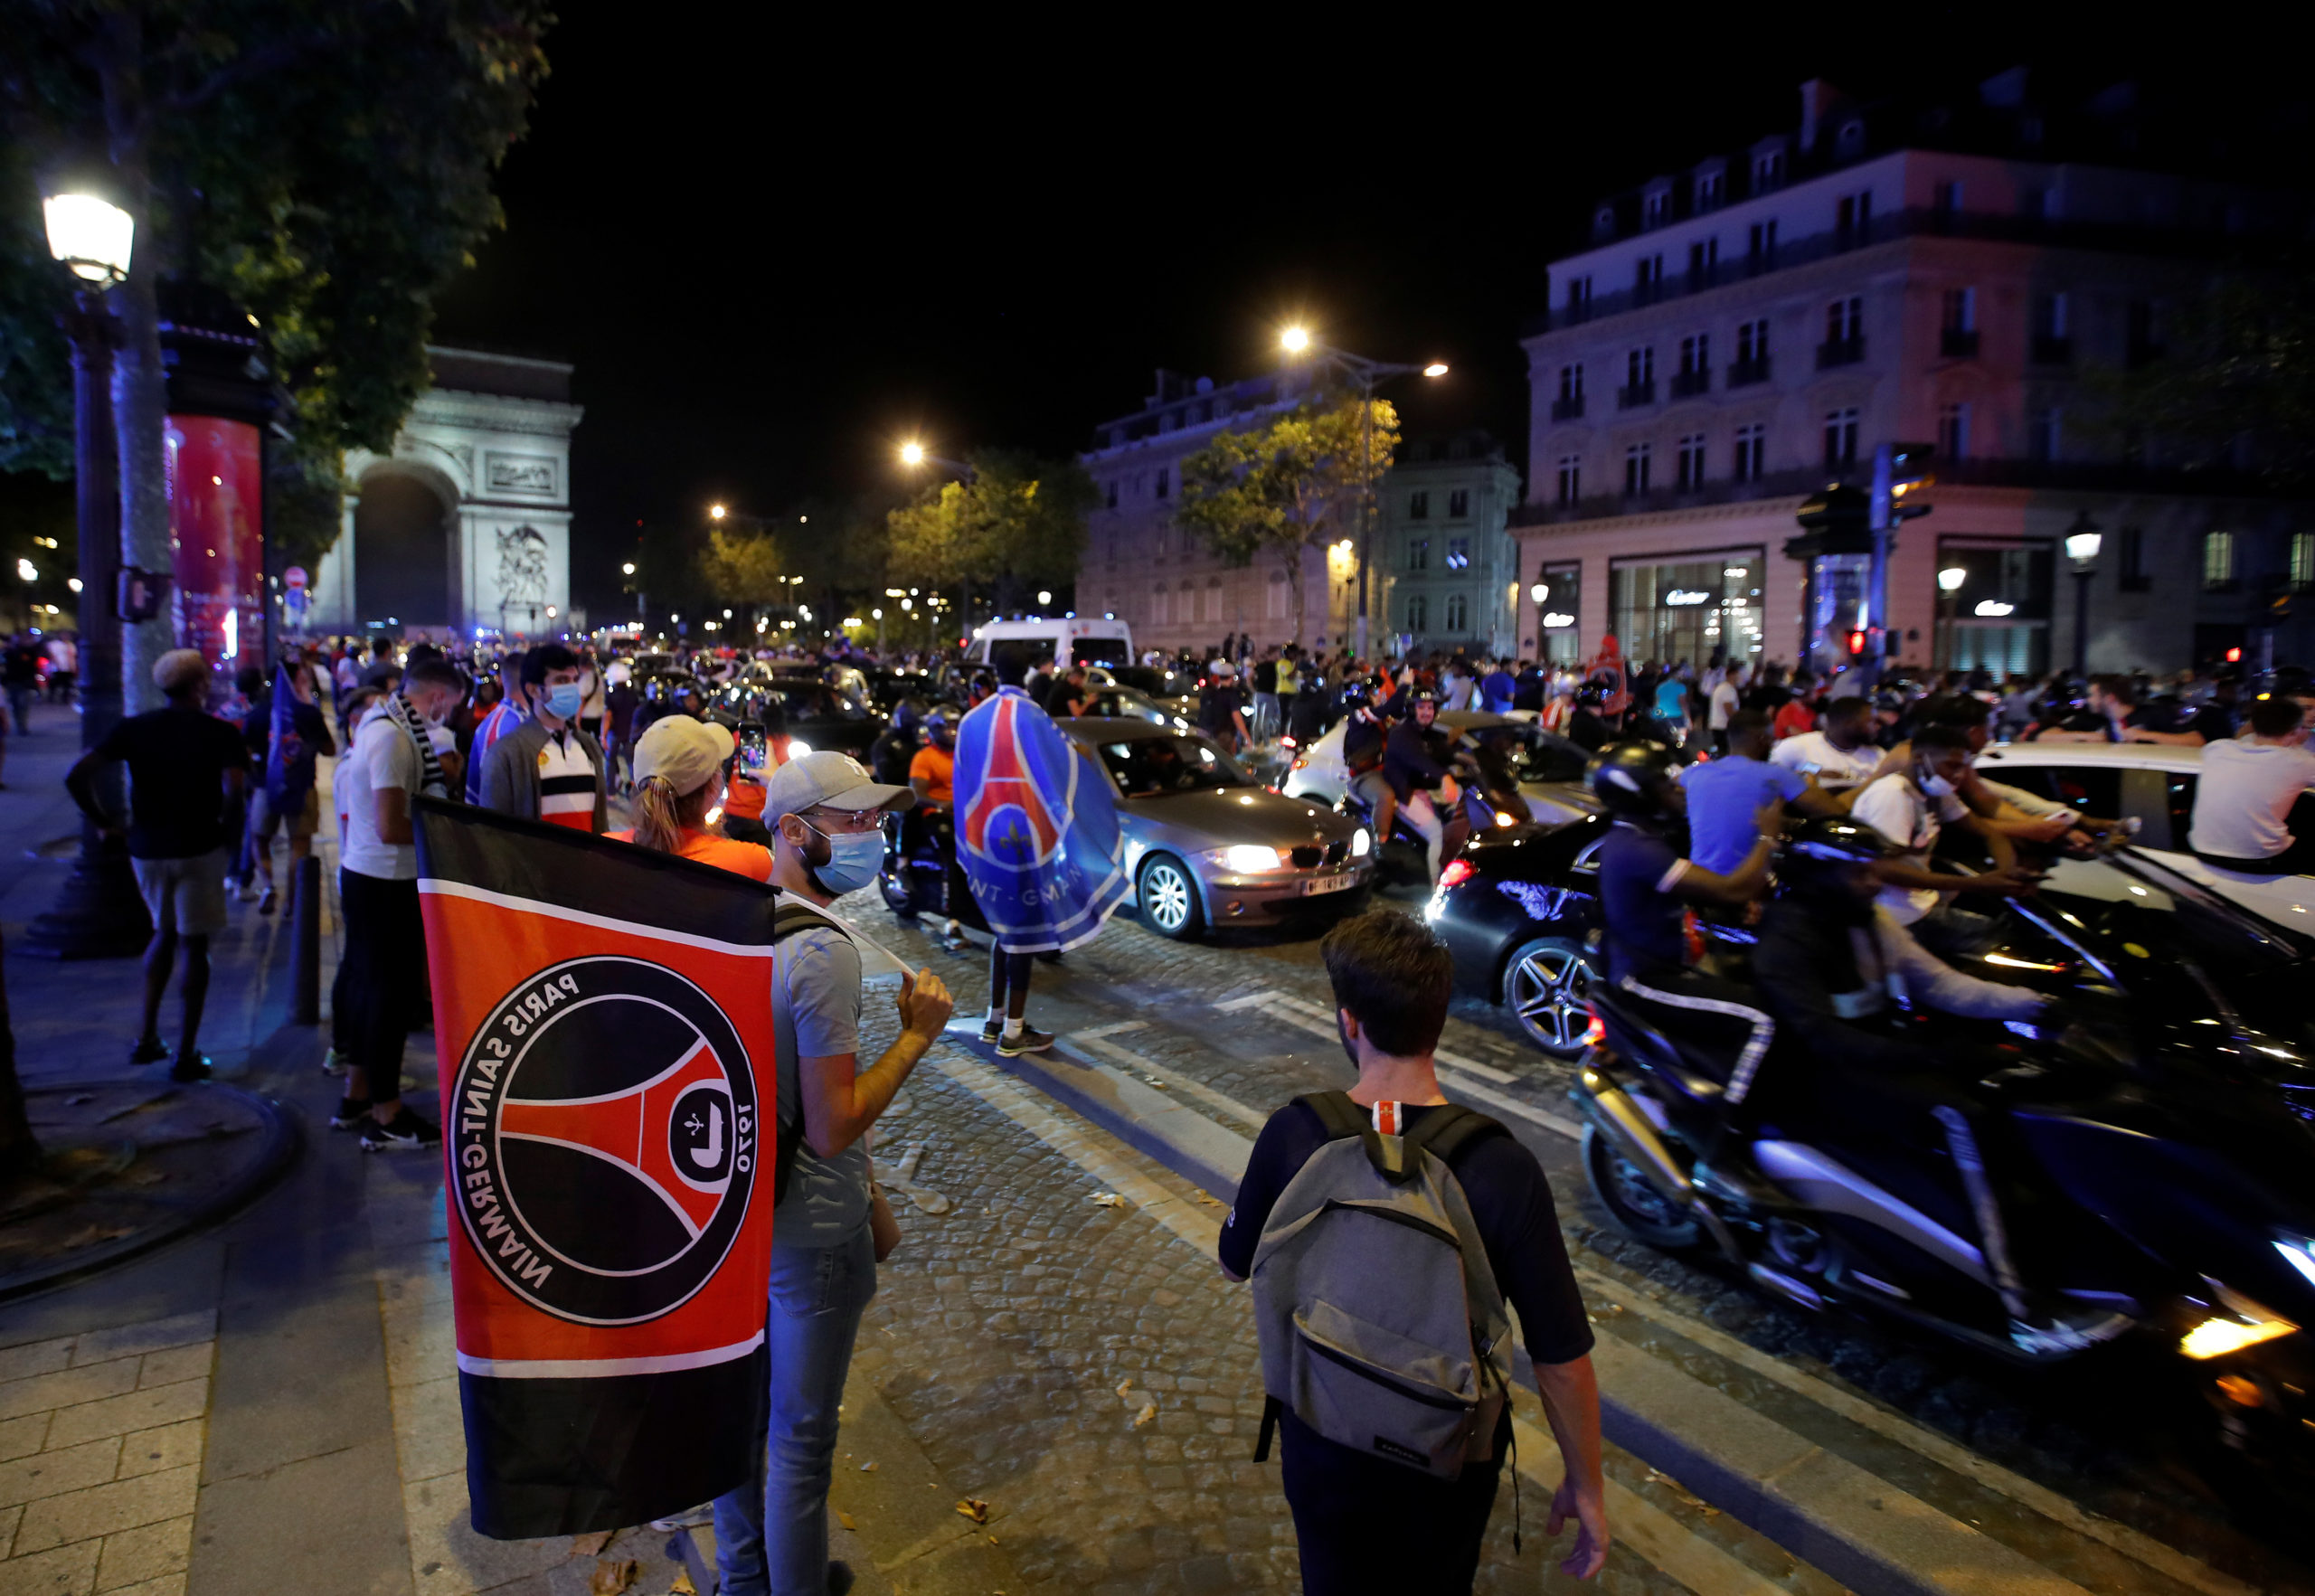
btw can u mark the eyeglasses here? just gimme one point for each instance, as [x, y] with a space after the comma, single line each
[852, 820]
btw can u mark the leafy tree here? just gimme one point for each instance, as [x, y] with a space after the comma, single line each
[2236, 381]
[1017, 522]
[1292, 484]
[327, 162]
[744, 567]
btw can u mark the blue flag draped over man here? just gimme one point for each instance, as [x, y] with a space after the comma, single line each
[289, 755]
[1036, 827]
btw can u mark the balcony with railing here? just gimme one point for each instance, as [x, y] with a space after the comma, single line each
[1568, 407]
[1957, 343]
[1633, 395]
[1838, 352]
[1687, 384]
[1744, 373]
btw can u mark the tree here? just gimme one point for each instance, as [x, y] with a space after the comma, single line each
[2236, 381]
[744, 567]
[1018, 521]
[327, 162]
[1295, 483]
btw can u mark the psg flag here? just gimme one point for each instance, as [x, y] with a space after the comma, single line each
[1036, 827]
[603, 1016]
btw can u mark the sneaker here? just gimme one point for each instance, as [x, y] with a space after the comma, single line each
[265, 901]
[405, 1129]
[689, 1518]
[953, 940]
[336, 1061]
[350, 1114]
[1029, 1040]
[197, 1068]
[151, 1051]
[989, 1033]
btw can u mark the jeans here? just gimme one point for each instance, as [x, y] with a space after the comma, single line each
[1265, 716]
[1338, 1496]
[771, 1535]
[385, 949]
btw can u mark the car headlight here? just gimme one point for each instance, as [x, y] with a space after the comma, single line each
[2238, 1322]
[1361, 843]
[1246, 859]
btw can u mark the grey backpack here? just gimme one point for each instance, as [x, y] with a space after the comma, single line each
[1382, 1327]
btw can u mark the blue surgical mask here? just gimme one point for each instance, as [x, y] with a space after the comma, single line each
[854, 860]
[1936, 787]
[563, 700]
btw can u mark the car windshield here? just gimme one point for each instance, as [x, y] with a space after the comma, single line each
[1532, 753]
[1182, 763]
[1101, 651]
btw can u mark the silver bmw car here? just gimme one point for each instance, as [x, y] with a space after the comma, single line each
[1206, 845]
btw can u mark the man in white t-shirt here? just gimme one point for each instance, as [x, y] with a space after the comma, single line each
[1912, 807]
[2249, 783]
[1841, 756]
[385, 939]
[1727, 698]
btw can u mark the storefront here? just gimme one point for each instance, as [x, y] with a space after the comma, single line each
[1700, 608]
[1559, 597]
[1998, 620]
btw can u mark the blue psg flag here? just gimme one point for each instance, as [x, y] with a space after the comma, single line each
[603, 1016]
[289, 757]
[1036, 827]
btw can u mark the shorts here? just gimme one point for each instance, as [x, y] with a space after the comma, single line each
[184, 896]
[304, 819]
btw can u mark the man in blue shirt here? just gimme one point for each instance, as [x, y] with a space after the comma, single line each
[1726, 793]
[1499, 687]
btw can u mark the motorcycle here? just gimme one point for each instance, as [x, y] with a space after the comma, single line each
[920, 873]
[2163, 1161]
[1404, 857]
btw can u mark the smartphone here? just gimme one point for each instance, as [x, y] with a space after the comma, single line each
[755, 751]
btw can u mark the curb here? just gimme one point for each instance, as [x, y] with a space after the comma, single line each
[281, 1139]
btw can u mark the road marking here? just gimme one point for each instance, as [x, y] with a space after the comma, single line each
[1120, 1029]
[1095, 1043]
[2135, 1545]
[1285, 1006]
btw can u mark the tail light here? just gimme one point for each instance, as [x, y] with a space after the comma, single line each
[1595, 1034]
[1286, 742]
[1457, 872]
[1299, 764]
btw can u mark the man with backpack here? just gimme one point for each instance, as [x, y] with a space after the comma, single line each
[1384, 1230]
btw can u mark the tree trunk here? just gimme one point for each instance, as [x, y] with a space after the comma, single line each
[19, 1152]
[140, 383]
[1294, 588]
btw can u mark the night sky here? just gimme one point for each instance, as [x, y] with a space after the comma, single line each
[772, 256]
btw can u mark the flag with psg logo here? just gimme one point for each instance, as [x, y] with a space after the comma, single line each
[603, 1016]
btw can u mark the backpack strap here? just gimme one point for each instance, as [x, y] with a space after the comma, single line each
[792, 915]
[1336, 1112]
[1449, 1133]
[1344, 1118]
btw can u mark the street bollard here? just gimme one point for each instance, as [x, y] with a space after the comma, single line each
[307, 969]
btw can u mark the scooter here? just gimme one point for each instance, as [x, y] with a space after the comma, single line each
[1404, 857]
[920, 876]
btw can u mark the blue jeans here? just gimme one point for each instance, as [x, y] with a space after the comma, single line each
[772, 1536]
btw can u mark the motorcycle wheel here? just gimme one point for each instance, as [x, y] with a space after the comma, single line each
[1168, 895]
[897, 897]
[1634, 1205]
[1543, 985]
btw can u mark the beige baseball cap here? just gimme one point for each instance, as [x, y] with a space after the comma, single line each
[178, 669]
[685, 751]
[836, 780]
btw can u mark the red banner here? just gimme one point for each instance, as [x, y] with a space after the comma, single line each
[216, 478]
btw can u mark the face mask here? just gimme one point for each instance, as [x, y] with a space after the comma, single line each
[563, 700]
[854, 860]
[1936, 787]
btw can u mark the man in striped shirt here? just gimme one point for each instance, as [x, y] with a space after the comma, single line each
[502, 718]
[547, 768]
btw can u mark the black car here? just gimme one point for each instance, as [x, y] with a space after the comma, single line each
[1519, 909]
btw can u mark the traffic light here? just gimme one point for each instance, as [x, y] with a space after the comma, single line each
[1900, 471]
[1856, 641]
[1836, 520]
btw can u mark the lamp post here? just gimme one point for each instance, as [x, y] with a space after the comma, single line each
[1364, 374]
[1949, 586]
[2081, 545]
[98, 913]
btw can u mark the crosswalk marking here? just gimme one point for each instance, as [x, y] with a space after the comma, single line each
[1281, 1005]
[1097, 1045]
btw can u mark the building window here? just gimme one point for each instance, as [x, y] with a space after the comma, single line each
[2218, 560]
[1751, 451]
[1762, 253]
[1418, 612]
[1164, 480]
[1648, 276]
[2042, 434]
[1768, 171]
[1853, 220]
[1161, 605]
[1639, 366]
[1458, 613]
[1708, 188]
[1691, 461]
[1579, 297]
[1840, 439]
[1113, 493]
[2133, 579]
[1571, 479]
[1953, 431]
[1844, 319]
[1458, 554]
[2053, 335]
[1636, 470]
[1571, 382]
[1458, 503]
[1696, 354]
[1419, 506]
[1958, 326]
[1418, 553]
[1752, 354]
[1654, 208]
[2302, 559]
[1704, 262]
[1947, 200]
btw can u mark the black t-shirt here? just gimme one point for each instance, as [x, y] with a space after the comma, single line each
[1060, 698]
[1217, 702]
[177, 760]
[1511, 1202]
[1646, 924]
[21, 667]
[1266, 676]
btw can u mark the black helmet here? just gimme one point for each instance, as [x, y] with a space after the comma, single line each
[1593, 695]
[1628, 778]
[1357, 696]
[1818, 849]
[1418, 697]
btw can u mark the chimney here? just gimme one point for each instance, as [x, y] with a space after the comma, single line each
[1816, 97]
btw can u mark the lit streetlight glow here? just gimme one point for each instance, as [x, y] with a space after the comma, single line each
[1951, 577]
[1045, 597]
[1539, 592]
[92, 237]
[627, 569]
[717, 511]
[1294, 340]
[1436, 368]
[911, 454]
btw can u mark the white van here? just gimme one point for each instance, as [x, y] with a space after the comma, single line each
[1072, 641]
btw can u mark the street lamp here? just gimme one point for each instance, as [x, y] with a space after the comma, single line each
[1044, 596]
[97, 914]
[627, 569]
[2083, 543]
[1949, 584]
[717, 511]
[1364, 374]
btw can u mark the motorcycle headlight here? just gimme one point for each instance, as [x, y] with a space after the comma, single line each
[1246, 859]
[1361, 843]
[2237, 1322]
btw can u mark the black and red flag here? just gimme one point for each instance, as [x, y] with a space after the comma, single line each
[603, 1017]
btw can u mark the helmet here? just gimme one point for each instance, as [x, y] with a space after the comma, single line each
[1593, 695]
[935, 721]
[1421, 695]
[1821, 849]
[1358, 697]
[1627, 777]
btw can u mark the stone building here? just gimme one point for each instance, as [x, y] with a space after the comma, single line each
[1448, 562]
[1738, 334]
[464, 529]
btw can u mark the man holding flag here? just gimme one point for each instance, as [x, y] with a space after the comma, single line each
[1036, 829]
[297, 732]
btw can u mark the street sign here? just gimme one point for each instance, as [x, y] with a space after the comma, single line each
[293, 579]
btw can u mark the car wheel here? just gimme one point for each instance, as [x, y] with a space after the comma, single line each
[1168, 894]
[1634, 1205]
[1545, 983]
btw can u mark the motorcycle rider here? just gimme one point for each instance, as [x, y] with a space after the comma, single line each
[931, 775]
[1429, 797]
[1364, 736]
[1830, 960]
[1910, 808]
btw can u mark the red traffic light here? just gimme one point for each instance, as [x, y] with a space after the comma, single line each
[1857, 642]
[2235, 657]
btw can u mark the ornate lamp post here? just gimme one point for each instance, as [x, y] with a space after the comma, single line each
[99, 914]
[1949, 587]
[2082, 544]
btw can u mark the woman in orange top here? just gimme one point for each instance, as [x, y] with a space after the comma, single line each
[678, 780]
